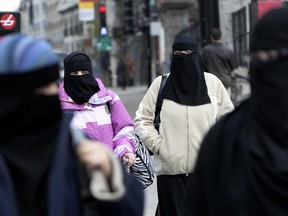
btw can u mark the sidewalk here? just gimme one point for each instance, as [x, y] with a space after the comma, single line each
[130, 89]
[131, 97]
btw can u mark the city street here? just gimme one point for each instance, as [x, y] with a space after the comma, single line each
[130, 42]
[131, 98]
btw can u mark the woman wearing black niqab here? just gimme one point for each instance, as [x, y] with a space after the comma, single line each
[242, 168]
[30, 123]
[193, 101]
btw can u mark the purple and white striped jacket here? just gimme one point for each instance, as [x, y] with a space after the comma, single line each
[111, 125]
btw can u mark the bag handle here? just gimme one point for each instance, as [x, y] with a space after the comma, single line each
[159, 103]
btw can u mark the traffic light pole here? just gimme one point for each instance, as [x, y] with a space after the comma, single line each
[148, 49]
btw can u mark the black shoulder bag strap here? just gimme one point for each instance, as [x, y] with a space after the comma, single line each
[159, 103]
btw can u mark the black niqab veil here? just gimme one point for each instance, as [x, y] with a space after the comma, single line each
[79, 88]
[242, 168]
[30, 124]
[186, 84]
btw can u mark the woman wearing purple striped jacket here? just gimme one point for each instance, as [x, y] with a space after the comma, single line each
[99, 112]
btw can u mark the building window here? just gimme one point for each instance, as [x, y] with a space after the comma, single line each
[240, 35]
[209, 19]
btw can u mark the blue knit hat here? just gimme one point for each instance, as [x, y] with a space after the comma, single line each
[26, 62]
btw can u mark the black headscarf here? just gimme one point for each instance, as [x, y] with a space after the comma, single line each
[186, 84]
[29, 121]
[79, 88]
[242, 168]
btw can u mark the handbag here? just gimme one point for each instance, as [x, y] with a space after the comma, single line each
[143, 168]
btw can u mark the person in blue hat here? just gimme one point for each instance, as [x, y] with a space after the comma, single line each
[38, 163]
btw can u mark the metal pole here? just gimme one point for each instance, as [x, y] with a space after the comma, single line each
[148, 48]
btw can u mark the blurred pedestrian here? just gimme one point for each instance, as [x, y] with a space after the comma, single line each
[242, 167]
[122, 73]
[219, 59]
[99, 112]
[37, 159]
[131, 70]
[193, 101]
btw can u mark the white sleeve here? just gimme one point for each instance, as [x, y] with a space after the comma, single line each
[145, 114]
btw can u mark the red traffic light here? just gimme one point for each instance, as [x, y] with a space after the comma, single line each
[102, 8]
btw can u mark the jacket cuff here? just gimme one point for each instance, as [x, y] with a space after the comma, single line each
[121, 150]
[103, 190]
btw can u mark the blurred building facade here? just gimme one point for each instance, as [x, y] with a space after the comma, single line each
[143, 30]
[236, 19]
